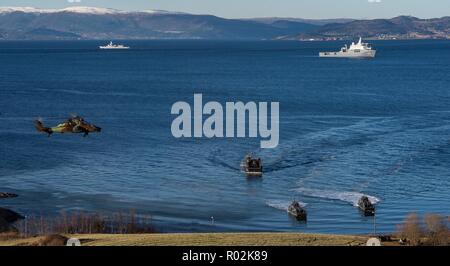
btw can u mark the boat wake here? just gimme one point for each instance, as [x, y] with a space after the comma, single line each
[214, 158]
[345, 196]
[286, 162]
[282, 204]
[80, 92]
[270, 165]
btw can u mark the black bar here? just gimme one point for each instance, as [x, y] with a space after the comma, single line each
[223, 255]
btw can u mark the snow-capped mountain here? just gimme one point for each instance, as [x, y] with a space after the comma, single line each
[80, 10]
[105, 23]
[5, 10]
[89, 10]
[77, 9]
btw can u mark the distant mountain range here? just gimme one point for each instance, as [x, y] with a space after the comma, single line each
[402, 27]
[25, 23]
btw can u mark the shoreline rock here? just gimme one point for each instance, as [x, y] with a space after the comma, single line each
[7, 219]
[6, 195]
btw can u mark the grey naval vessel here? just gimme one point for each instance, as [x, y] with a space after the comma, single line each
[356, 50]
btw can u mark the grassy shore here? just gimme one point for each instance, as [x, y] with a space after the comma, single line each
[203, 239]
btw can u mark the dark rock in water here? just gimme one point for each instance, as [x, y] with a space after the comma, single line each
[7, 218]
[4, 225]
[10, 216]
[5, 195]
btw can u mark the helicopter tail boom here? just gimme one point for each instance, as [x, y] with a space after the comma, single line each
[41, 128]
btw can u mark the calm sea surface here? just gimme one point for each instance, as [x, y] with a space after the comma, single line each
[348, 127]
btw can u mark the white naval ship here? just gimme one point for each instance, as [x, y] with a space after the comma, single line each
[114, 46]
[356, 50]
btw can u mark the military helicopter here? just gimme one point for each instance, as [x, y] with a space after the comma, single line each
[75, 124]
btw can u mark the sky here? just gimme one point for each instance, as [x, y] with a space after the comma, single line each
[358, 9]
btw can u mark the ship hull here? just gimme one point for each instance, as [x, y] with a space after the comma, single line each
[349, 54]
[116, 48]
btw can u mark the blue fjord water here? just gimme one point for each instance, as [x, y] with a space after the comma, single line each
[348, 127]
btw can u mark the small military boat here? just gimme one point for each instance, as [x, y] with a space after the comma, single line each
[297, 211]
[252, 167]
[366, 206]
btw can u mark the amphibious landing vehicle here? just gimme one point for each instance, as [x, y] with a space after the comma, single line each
[366, 206]
[252, 167]
[297, 211]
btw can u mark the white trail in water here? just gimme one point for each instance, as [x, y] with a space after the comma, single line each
[282, 204]
[346, 196]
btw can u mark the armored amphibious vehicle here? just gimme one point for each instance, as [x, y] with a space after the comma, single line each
[297, 211]
[252, 167]
[366, 206]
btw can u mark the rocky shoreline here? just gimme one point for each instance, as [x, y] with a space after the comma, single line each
[8, 217]
[6, 195]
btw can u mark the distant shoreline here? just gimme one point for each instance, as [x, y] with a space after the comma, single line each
[83, 22]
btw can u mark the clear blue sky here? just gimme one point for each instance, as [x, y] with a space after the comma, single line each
[266, 8]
